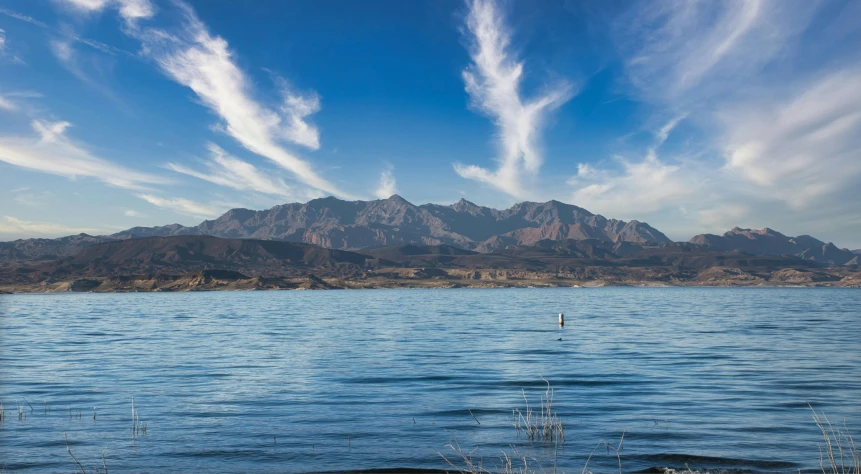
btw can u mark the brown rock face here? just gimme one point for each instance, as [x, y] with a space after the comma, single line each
[338, 224]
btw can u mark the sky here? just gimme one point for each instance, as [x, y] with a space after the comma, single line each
[692, 116]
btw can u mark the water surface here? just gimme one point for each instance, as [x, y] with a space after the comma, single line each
[715, 378]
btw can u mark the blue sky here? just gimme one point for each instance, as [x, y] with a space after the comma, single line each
[692, 116]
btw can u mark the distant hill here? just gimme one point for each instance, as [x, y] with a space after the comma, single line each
[195, 262]
[25, 249]
[770, 242]
[191, 253]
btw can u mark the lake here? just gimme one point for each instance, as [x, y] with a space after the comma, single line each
[309, 381]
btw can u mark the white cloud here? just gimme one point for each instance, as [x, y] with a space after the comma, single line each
[2, 40]
[226, 170]
[53, 153]
[202, 62]
[296, 108]
[493, 82]
[723, 218]
[388, 185]
[7, 105]
[132, 213]
[802, 147]
[63, 51]
[778, 139]
[25, 197]
[638, 187]
[184, 206]
[678, 52]
[17, 227]
[71, 60]
[130, 10]
[21, 17]
[646, 186]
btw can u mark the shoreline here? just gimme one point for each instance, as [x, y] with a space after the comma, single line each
[196, 282]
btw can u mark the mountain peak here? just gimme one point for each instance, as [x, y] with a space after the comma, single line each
[396, 198]
[464, 206]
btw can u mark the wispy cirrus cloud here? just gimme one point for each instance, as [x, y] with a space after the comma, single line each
[25, 18]
[388, 185]
[226, 170]
[777, 135]
[66, 34]
[493, 82]
[52, 152]
[14, 226]
[636, 187]
[6, 104]
[185, 206]
[681, 53]
[195, 58]
[129, 10]
[801, 147]
[92, 69]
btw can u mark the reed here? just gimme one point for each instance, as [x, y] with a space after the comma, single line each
[839, 447]
[69, 450]
[78, 463]
[138, 428]
[542, 426]
[470, 465]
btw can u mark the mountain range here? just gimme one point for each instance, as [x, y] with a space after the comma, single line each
[770, 242]
[353, 225]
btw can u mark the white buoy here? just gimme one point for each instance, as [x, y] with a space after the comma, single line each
[561, 319]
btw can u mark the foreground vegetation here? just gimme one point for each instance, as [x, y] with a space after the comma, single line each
[539, 423]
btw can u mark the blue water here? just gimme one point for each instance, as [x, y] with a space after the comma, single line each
[715, 378]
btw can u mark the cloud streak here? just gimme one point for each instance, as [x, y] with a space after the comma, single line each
[681, 53]
[778, 139]
[50, 151]
[184, 206]
[388, 185]
[803, 147]
[15, 226]
[493, 83]
[639, 187]
[204, 63]
[129, 10]
[23, 18]
[226, 170]
[7, 105]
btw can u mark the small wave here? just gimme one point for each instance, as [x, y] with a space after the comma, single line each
[711, 465]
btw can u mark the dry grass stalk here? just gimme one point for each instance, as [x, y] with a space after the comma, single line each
[81, 466]
[69, 450]
[545, 426]
[467, 464]
[844, 444]
[137, 426]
